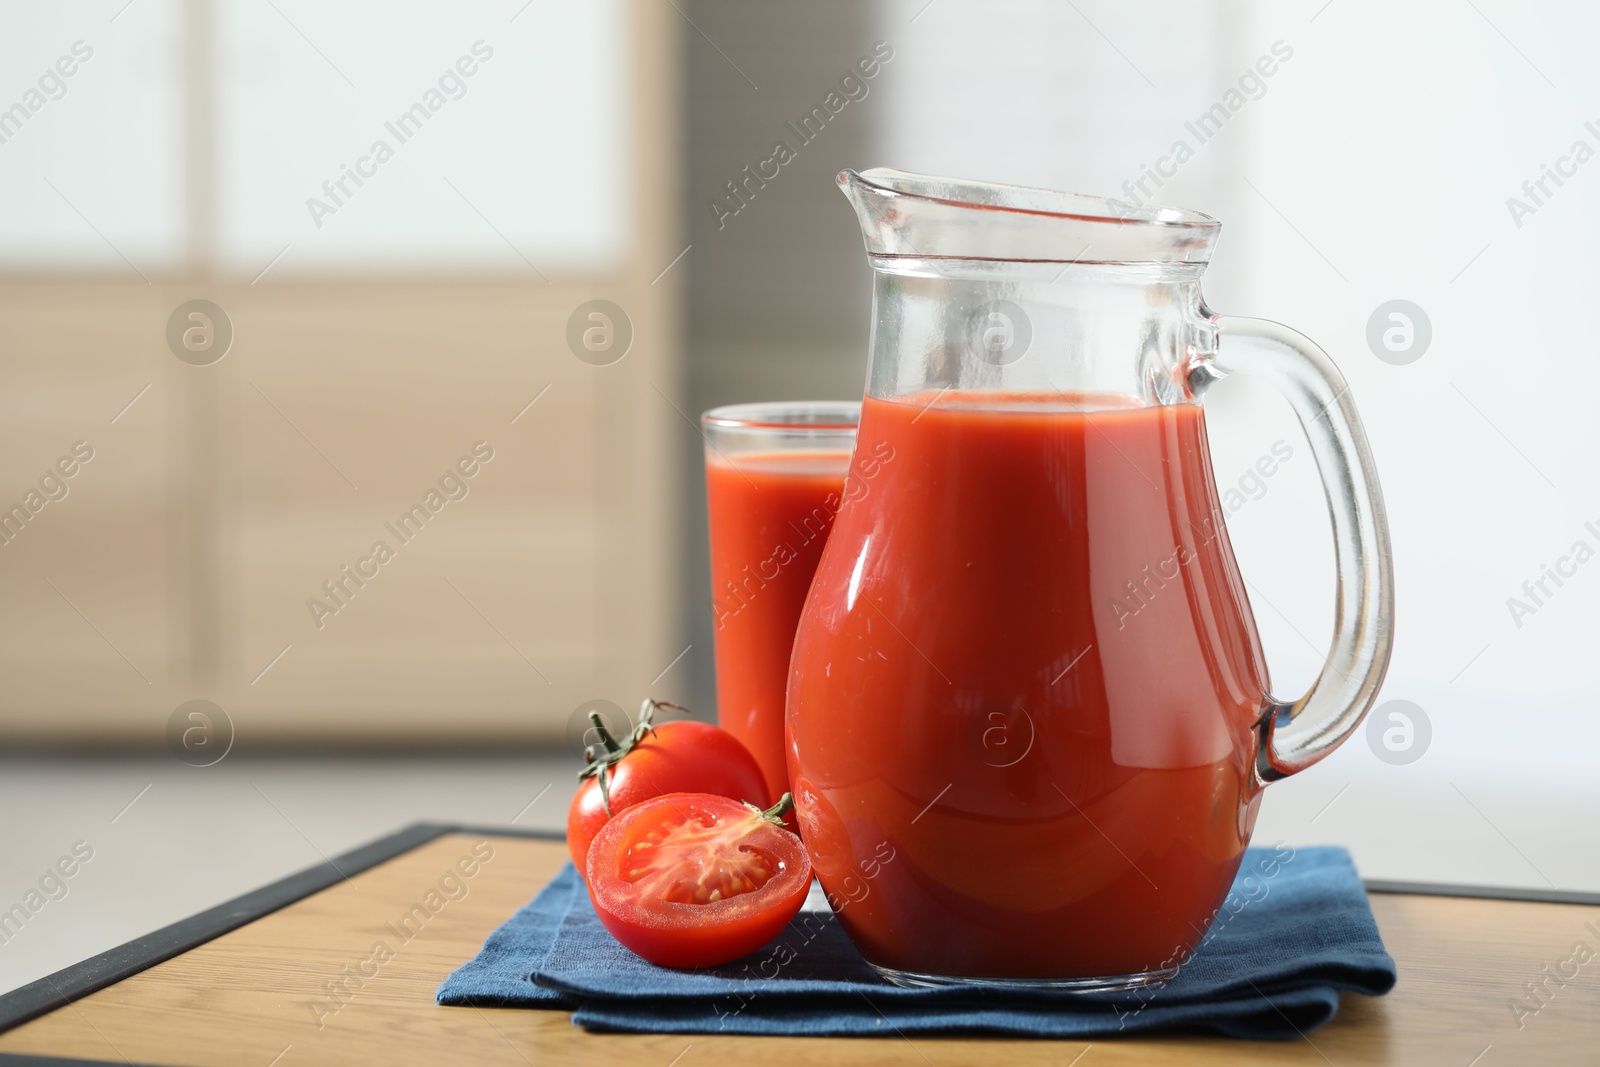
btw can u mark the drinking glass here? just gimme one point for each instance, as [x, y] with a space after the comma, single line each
[775, 476]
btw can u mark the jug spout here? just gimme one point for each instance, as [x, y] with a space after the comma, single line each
[917, 215]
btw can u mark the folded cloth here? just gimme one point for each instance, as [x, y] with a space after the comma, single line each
[1294, 931]
[498, 975]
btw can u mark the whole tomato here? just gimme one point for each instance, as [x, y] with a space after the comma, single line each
[683, 756]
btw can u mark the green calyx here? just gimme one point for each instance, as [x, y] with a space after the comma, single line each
[602, 756]
[774, 814]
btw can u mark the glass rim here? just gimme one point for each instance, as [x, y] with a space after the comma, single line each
[789, 416]
[1026, 199]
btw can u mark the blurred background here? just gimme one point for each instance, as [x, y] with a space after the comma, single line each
[394, 223]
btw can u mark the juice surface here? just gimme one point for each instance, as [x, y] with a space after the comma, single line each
[1022, 697]
[769, 517]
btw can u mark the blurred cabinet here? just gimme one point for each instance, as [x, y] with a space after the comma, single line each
[187, 558]
[90, 579]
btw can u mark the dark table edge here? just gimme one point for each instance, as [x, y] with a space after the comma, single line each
[1483, 892]
[81, 979]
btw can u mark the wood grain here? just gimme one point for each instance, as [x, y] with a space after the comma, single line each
[261, 992]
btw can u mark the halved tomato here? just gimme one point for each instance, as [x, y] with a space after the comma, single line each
[694, 880]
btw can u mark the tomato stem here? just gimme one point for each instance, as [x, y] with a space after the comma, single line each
[775, 813]
[600, 730]
[600, 758]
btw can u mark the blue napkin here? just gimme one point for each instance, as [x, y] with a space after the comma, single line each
[1272, 966]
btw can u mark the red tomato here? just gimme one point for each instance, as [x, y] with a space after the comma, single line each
[694, 880]
[675, 757]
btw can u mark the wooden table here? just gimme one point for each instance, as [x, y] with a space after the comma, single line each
[249, 983]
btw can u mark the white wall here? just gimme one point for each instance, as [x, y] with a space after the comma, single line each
[521, 165]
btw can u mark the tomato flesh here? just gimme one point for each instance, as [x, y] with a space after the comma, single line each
[696, 861]
[694, 880]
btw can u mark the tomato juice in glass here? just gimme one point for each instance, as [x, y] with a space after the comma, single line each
[1044, 585]
[775, 479]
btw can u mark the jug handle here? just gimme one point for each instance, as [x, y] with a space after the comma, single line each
[1295, 735]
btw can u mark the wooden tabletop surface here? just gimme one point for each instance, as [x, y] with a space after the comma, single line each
[258, 996]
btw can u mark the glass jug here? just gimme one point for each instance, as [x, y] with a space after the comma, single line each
[1028, 719]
